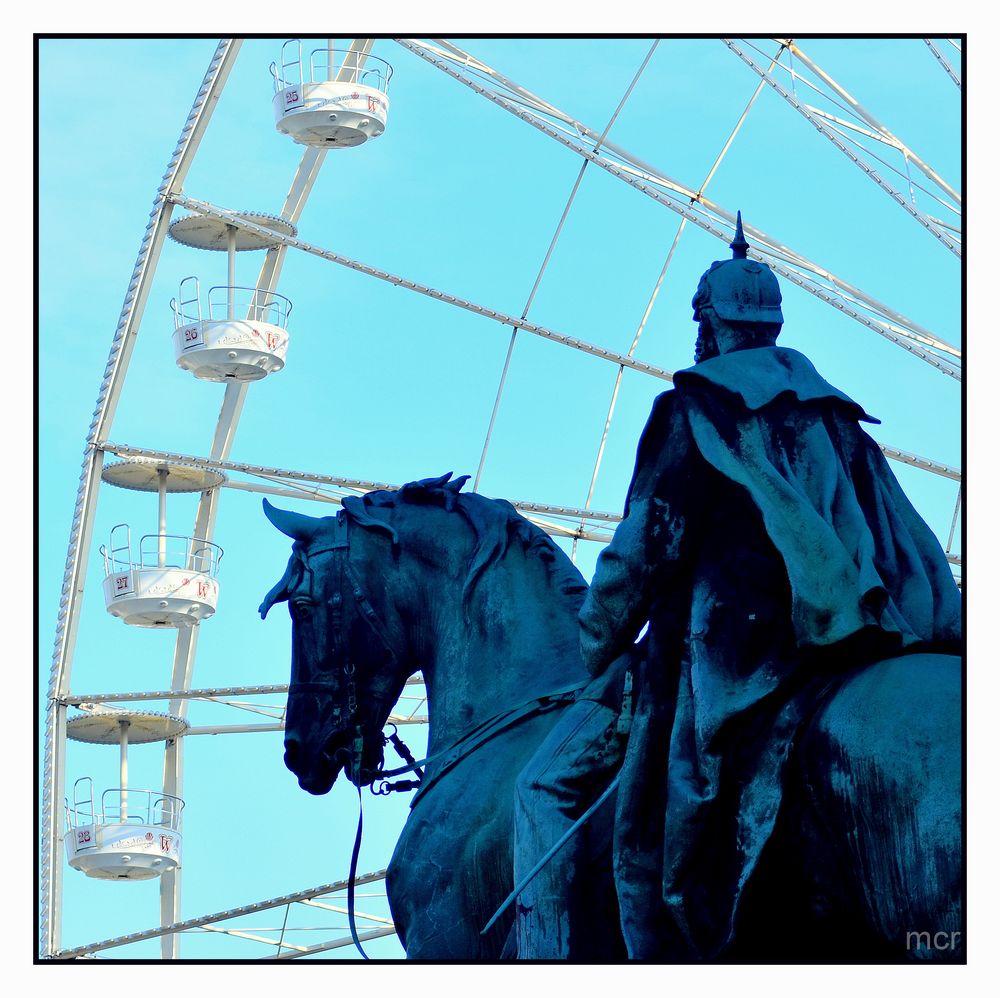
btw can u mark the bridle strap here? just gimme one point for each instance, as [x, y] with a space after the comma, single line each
[481, 734]
[347, 581]
[352, 877]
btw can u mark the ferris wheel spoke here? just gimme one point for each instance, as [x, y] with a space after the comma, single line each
[954, 521]
[204, 208]
[707, 216]
[924, 168]
[656, 291]
[594, 518]
[944, 62]
[545, 263]
[202, 921]
[821, 126]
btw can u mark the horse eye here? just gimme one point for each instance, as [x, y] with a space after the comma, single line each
[301, 608]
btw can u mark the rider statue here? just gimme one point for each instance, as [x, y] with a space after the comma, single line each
[770, 550]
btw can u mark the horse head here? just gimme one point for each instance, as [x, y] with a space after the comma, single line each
[348, 658]
[405, 580]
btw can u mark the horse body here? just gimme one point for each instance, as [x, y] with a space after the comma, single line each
[882, 768]
[865, 862]
[453, 863]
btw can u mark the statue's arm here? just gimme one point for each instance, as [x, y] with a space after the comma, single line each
[617, 604]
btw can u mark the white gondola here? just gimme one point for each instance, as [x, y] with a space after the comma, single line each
[173, 581]
[129, 834]
[334, 99]
[171, 584]
[242, 333]
[220, 347]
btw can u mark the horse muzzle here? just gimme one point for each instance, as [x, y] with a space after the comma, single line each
[316, 771]
[346, 751]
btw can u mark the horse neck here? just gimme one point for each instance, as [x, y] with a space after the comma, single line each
[520, 641]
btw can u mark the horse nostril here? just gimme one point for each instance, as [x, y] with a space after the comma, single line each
[293, 754]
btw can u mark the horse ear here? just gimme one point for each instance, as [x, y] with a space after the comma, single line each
[298, 526]
[451, 491]
[425, 485]
[280, 592]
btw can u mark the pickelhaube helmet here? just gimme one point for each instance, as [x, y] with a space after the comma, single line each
[740, 290]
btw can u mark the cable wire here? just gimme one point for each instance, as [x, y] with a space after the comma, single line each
[545, 263]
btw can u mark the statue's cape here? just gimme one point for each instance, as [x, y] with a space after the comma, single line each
[856, 552]
[761, 375]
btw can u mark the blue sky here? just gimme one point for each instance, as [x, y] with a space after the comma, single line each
[386, 385]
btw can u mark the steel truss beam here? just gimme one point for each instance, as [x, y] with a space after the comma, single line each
[889, 137]
[545, 263]
[356, 485]
[209, 693]
[253, 729]
[221, 696]
[221, 916]
[536, 512]
[212, 211]
[944, 62]
[359, 485]
[335, 944]
[275, 712]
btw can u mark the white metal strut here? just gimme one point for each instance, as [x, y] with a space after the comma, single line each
[53, 786]
[824, 129]
[225, 431]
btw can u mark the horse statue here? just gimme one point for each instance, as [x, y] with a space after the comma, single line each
[484, 605]
[864, 862]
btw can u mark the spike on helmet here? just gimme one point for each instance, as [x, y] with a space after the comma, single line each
[740, 290]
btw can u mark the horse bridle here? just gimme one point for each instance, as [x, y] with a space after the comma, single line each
[447, 758]
[339, 651]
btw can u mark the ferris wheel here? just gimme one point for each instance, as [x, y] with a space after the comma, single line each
[526, 386]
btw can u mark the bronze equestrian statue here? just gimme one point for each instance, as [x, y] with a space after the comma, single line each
[772, 773]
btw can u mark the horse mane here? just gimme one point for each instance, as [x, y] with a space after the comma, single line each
[495, 524]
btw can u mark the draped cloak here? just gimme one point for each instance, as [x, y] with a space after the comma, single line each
[770, 548]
